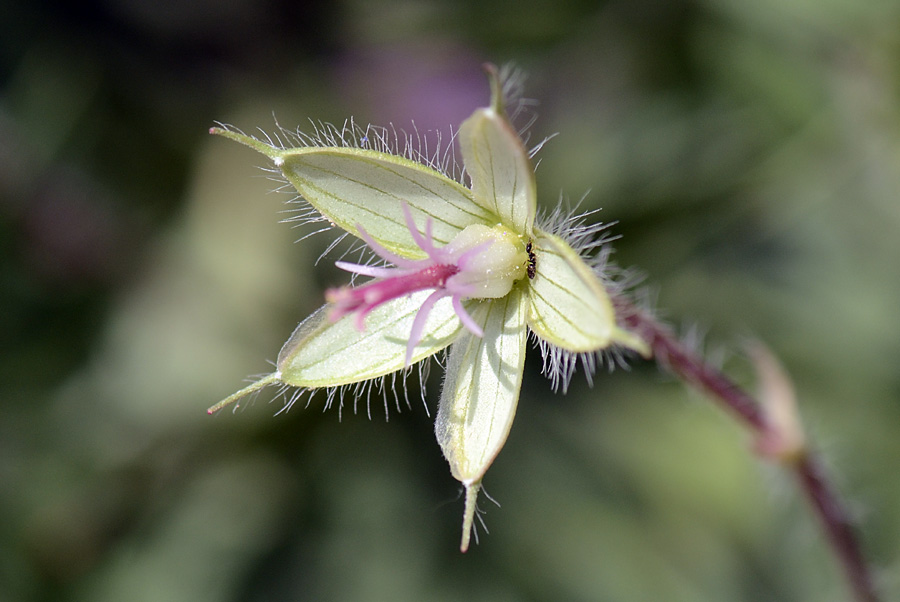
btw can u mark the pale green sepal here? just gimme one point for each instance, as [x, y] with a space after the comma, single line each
[321, 353]
[361, 187]
[568, 305]
[481, 390]
[498, 165]
[356, 187]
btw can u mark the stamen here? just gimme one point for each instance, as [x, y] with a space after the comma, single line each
[418, 325]
[424, 242]
[400, 262]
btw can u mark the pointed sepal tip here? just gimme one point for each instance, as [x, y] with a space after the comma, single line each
[257, 145]
[497, 100]
[270, 379]
[472, 490]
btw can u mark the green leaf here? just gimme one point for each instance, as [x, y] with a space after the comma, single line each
[498, 164]
[481, 391]
[321, 353]
[568, 305]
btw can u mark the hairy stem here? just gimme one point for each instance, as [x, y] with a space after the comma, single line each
[689, 366]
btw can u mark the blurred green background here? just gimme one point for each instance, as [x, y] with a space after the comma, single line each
[748, 150]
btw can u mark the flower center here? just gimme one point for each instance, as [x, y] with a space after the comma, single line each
[481, 262]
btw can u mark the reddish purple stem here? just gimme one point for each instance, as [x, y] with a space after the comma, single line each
[675, 357]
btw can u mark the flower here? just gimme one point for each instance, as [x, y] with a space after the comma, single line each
[477, 280]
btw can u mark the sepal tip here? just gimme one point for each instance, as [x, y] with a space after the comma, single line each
[270, 379]
[472, 490]
[497, 100]
[257, 145]
[632, 341]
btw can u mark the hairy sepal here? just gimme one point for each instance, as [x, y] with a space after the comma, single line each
[568, 306]
[480, 394]
[355, 187]
[498, 164]
[322, 353]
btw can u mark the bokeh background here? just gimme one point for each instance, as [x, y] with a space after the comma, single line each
[748, 150]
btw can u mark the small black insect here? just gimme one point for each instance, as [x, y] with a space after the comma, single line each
[531, 270]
